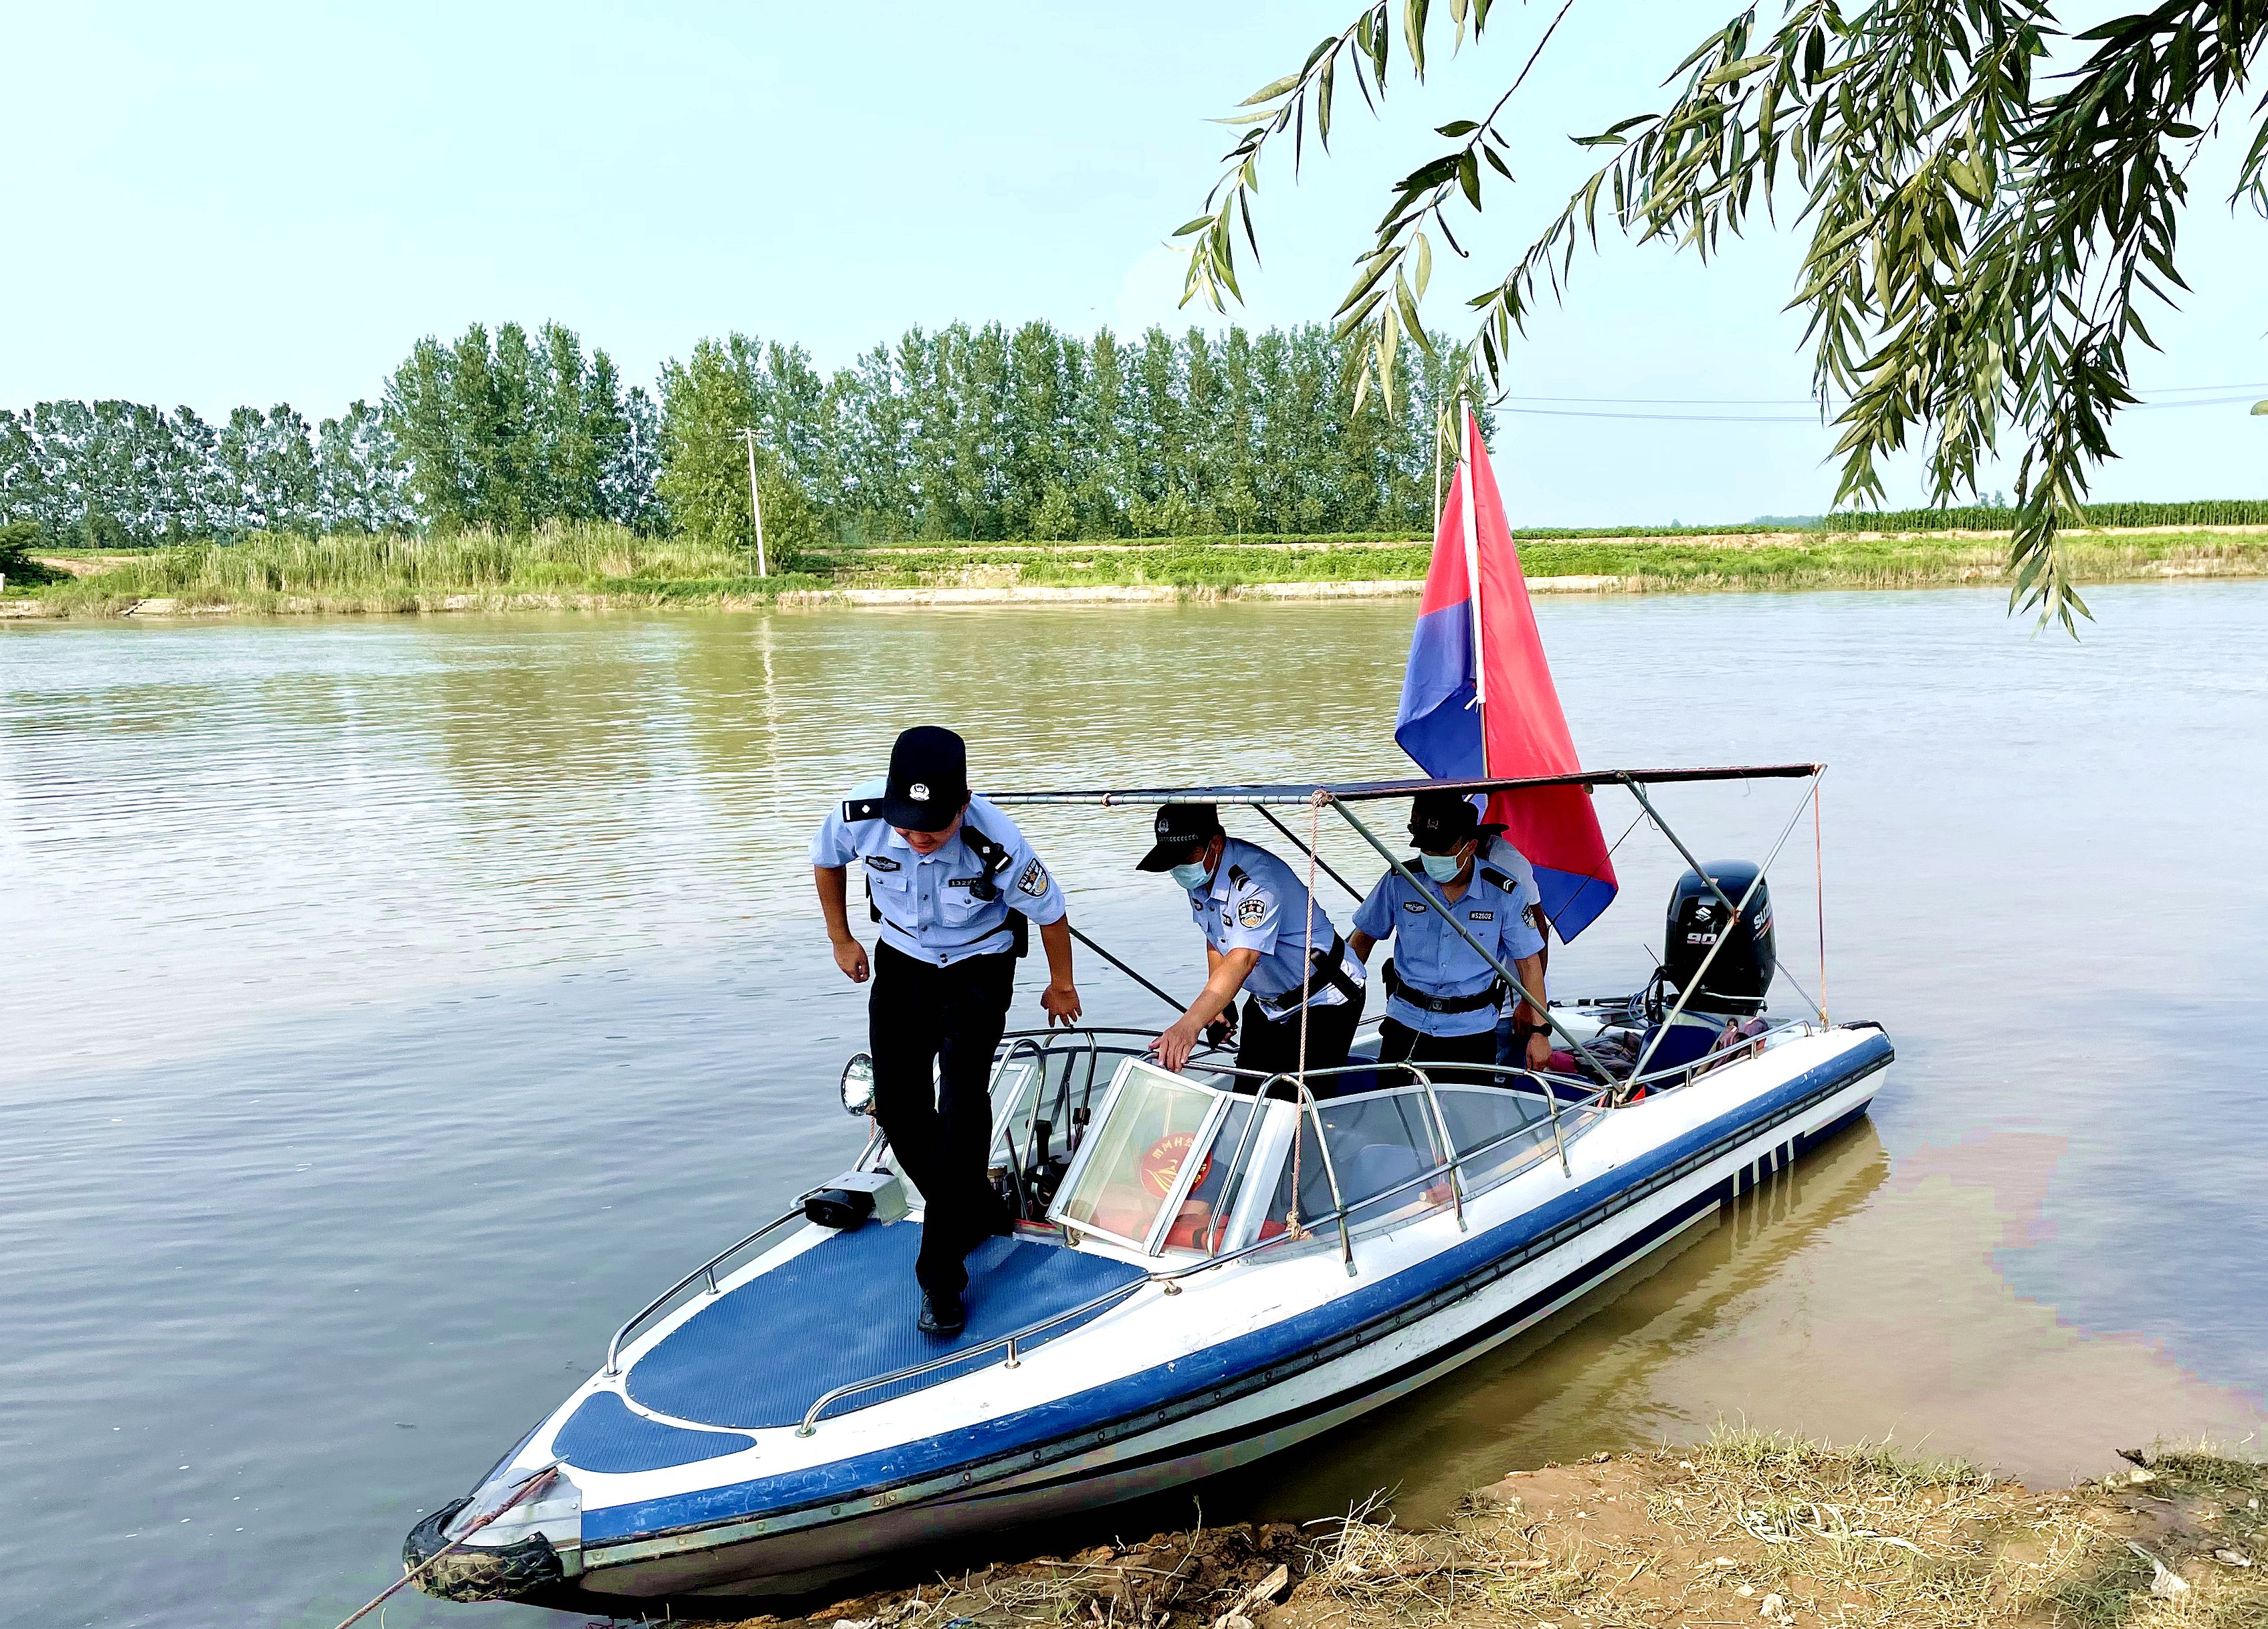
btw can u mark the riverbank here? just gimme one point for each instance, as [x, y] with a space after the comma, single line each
[1742, 1530]
[601, 569]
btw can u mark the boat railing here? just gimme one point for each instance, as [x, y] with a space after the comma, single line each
[1588, 1098]
[706, 1273]
[1592, 1100]
[1170, 1280]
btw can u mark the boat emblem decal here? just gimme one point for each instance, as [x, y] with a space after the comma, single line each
[1163, 1162]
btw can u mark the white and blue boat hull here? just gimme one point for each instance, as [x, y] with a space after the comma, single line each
[1174, 1382]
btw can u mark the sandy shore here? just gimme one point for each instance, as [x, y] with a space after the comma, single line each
[1745, 1530]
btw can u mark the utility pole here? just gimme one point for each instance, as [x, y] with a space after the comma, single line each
[756, 501]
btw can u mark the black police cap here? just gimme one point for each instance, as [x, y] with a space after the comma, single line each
[1180, 829]
[1442, 820]
[928, 782]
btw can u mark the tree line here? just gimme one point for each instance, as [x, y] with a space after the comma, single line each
[966, 433]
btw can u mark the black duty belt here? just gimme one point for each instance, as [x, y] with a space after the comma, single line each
[1402, 989]
[1330, 968]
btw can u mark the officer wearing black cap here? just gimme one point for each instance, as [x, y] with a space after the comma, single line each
[1259, 923]
[1442, 997]
[952, 883]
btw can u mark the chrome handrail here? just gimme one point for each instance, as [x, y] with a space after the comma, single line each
[1169, 1281]
[707, 1269]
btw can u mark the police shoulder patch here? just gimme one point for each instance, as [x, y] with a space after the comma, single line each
[1253, 910]
[1033, 881]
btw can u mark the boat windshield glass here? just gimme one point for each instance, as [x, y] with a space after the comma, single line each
[1382, 1146]
[1133, 1162]
[1498, 1131]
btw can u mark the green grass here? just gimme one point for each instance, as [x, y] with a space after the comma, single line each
[578, 565]
[1987, 517]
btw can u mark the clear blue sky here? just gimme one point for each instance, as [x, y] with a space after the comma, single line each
[268, 202]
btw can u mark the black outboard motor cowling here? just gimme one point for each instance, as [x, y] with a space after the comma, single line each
[1741, 973]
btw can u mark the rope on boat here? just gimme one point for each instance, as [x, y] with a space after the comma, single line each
[1307, 977]
[1819, 893]
[537, 1484]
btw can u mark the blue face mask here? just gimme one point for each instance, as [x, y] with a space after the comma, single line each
[1193, 875]
[1442, 868]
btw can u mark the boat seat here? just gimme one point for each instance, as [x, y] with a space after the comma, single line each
[843, 1311]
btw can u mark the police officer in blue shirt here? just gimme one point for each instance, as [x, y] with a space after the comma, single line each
[952, 882]
[1442, 997]
[1498, 853]
[1259, 921]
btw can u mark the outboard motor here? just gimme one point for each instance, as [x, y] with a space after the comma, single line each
[1736, 981]
[1733, 988]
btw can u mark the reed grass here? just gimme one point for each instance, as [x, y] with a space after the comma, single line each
[585, 565]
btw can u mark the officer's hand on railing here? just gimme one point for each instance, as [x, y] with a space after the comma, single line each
[1173, 1047]
[1061, 1003]
[1539, 1049]
[851, 957]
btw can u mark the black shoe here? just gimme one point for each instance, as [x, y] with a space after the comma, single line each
[942, 1315]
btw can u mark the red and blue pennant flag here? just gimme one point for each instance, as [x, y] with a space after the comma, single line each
[1477, 702]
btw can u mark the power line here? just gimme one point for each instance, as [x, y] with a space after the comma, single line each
[1812, 418]
[1805, 401]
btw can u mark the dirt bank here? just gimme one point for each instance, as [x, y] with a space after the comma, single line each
[1743, 1530]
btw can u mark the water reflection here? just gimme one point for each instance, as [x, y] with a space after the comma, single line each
[392, 1005]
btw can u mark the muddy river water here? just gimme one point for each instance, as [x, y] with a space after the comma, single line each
[389, 1007]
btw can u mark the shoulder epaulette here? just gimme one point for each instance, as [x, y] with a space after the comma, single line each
[1237, 877]
[855, 808]
[1495, 878]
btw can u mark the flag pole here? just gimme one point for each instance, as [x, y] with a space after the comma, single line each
[1473, 574]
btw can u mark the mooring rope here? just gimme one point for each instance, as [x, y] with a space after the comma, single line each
[1307, 977]
[537, 1484]
[1819, 893]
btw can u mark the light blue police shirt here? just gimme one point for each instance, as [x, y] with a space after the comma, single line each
[1431, 956]
[928, 909]
[1255, 902]
[1499, 853]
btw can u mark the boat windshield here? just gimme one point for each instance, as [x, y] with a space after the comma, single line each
[1133, 1164]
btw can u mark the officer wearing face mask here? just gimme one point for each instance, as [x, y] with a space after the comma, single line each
[1442, 997]
[1259, 921]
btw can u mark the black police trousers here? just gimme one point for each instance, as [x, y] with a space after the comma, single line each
[940, 1127]
[1271, 1046]
[1398, 1043]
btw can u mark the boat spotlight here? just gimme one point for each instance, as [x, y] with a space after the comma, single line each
[858, 1085]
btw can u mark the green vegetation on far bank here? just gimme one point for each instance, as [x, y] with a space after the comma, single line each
[590, 563]
[2001, 518]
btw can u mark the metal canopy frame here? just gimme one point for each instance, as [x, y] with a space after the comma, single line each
[1338, 795]
[1307, 792]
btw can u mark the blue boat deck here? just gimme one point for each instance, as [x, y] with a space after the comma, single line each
[842, 1311]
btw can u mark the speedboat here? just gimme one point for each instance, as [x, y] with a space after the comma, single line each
[1207, 1267]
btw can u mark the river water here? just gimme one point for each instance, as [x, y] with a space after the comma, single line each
[391, 1006]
